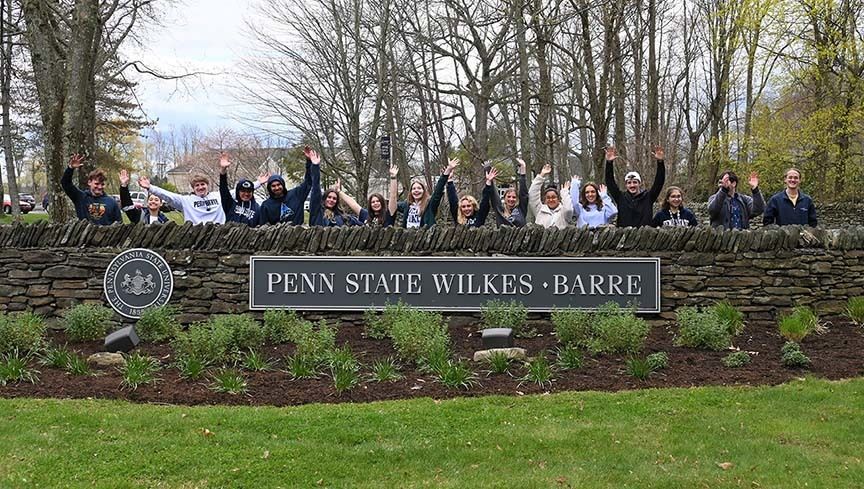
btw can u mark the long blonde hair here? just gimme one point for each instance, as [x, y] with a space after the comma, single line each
[460, 218]
[505, 212]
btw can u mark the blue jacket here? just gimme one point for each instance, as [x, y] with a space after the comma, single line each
[101, 210]
[518, 216]
[235, 209]
[317, 215]
[431, 210]
[781, 211]
[289, 207]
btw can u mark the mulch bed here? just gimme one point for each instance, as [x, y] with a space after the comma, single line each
[836, 354]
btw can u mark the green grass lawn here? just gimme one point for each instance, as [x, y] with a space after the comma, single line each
[28, 218]
[804, 434]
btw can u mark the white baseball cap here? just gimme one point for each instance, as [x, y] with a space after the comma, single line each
[632, 176]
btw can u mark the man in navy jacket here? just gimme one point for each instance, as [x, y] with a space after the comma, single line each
[287, 205]
[790, 206]
[92, 204]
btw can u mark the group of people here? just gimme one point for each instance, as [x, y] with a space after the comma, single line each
[583, 204]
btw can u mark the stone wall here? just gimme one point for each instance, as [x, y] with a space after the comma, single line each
[831, 216]
[47, 268]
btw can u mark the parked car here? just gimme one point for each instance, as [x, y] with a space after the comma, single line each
[29, 199]
[22, 204]
[139, 198]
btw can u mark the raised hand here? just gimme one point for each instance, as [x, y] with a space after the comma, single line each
[312, 155]
[566, 185]
[337, 186]
[602, 189]
[262, 178]
[547, 169]
[490, 177]
[521, 166]
[394, 170]
[224, 161]
[451, 165]
[76, 161]
[144, 182]
[754, 180]
[611, 154]
[725, 183]
[659, 153]
[124, 178]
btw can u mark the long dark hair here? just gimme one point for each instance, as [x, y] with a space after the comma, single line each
[665, 204]
[584, 200]
[380, 217]
[336, 210]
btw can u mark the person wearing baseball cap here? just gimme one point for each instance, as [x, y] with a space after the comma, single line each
[240, 207]
[635, 205]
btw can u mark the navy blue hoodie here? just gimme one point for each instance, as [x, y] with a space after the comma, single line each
[780, 210]
[316, 209]
[289, 207]
[235, 209]
[101, 210]
[478, 219]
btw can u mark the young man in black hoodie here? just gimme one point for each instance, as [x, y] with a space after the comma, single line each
[241, 207]
[287, 206]
[92, 204]
[635, 206]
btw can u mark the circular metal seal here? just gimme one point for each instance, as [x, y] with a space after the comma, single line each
[138, 279]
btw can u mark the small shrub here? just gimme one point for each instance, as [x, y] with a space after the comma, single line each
[254, 361]
[502, 314]
[229, 381]
[789, 347]
[456, 374]
[344, 377]
[343, 358]
[386, 370]
[538, 371]
[798, 324]
[416, 334]
[13, 368]
[701, 329]
[736, 359]
[87, 322]
[617, 330]
[158, 324]
[572, 326]
[658, 361]
[77, 365]
[246, 332]
[855, 310]
[21, 331]
[315, 344]
[279, 325]
[139, 370]
[795, 359]
[435, 360]
[209, 342]
[639, 368]
[191, 367]
[499, 362]
[56, 357]
[378, 325]
[301, 366]
[729, 316]
[569, 358]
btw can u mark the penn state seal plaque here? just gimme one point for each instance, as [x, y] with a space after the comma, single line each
[136, 280]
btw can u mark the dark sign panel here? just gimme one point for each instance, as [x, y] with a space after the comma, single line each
[353, 283]
[385, 148]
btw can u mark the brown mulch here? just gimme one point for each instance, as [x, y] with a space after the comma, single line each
[836, 354]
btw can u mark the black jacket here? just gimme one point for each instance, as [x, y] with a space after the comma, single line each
[635, 210]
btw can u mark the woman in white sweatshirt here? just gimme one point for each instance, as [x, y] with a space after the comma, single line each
[592, 206]
[556, 208]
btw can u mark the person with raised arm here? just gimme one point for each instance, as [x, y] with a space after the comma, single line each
[199, 207]
[636, 205]
[731, 209]
[556, 208]
[286, 206]
[240, 207]
[791, 205]
[592, 205]
[91, 204]
[513, 210]
[152, 214]
[672, 212]
[376, 212]
[419, 209]
[466, 211]
[326, 211]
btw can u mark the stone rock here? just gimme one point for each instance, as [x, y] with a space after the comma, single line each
[512, 353]
[64, 271]
[105, 359]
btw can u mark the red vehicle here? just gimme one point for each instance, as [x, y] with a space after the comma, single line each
[23, 205]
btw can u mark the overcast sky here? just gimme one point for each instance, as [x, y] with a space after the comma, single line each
[198, 35]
